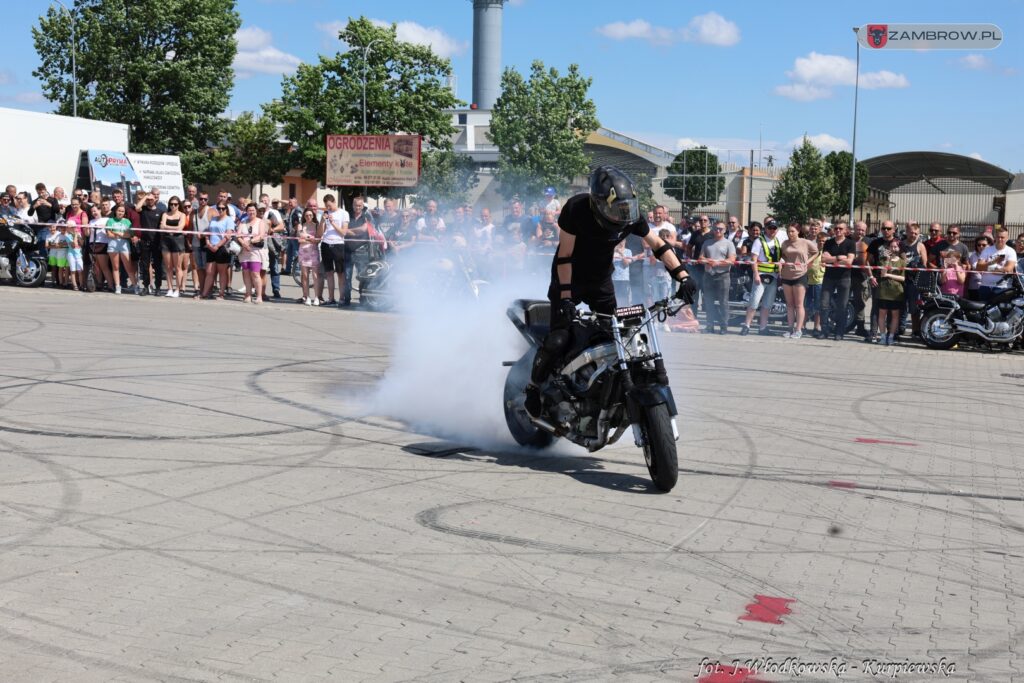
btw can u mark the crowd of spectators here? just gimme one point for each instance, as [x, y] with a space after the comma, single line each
[194, 245]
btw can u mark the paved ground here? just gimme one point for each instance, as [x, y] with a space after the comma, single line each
[195, 491]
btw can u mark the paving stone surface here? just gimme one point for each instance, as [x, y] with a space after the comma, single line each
[210, 491]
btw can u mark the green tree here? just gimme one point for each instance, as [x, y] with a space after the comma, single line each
[644, 192]
[694, 178]
[161, 66]
[253, 152]
[839, 163]
[406, 92]
[539, 126]
[806, 189]
[446, 176]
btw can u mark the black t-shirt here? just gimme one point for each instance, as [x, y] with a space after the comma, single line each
[873, 248]
[960, 248]
[848, 247]
[149, 219]
[46, 211]
[359, 242]
[592, 255]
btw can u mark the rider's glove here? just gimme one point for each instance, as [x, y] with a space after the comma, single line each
[687, 290]
[566, 310]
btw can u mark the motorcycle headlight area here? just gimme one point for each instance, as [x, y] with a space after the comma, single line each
[21, 234]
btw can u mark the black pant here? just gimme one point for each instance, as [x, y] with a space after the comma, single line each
[600, 296]
[149, 255]
[835, 295]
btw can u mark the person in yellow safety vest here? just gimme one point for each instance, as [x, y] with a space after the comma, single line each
[766, 253]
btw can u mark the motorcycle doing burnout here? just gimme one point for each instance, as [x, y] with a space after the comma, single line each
[612, 377]
[20, 259]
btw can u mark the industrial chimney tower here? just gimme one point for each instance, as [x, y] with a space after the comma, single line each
[486, 52]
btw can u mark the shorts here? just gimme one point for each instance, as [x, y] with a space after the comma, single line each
[332, 256]
[887, 305]
[98, 247]
[199, 257]
[221, 257]
[251, 266]
[58, 258]
[309, 256]
[763, 295]
[174, 244]
[798, 281]
[118, 246]
[75, 262]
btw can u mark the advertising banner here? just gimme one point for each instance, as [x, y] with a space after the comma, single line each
[159, 170]
[373, 160]
[929, 36]
[130, 172]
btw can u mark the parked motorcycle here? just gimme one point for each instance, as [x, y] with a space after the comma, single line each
[947, 319]
[452, 275]
[20, 257]
[613, 377]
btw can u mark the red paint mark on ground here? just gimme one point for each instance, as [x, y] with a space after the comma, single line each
[835, 483]
[882, 442]
[767, 609]
[730, 674]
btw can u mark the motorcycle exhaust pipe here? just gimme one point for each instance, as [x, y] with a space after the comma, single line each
[543, 424]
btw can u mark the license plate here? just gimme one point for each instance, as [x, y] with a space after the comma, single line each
[627, 312]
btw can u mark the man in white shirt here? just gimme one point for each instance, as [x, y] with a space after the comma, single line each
[332, 246]
[996, 261]
[551, 202]
[483, 232]
[276, 246]
[431, 226]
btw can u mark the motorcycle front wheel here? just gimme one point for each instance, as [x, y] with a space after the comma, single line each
[660, 447]
[34, 275]
[937, 332]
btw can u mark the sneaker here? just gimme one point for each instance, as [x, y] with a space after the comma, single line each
[665, 327]
[175, 294]
[744, 329]
[307, 302]
[885, 340]
[117, 290]
[722, 330]
[765, 332]
[316, 302]
[797, 335]
[787, 334]
[169, 293]
[277, 295]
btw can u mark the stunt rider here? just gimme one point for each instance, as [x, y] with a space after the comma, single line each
[590, 225]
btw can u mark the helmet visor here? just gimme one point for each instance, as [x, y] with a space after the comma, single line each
[620, 211]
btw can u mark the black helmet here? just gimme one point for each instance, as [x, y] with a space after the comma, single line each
[613, 199]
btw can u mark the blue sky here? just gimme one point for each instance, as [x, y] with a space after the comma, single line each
[676, 73]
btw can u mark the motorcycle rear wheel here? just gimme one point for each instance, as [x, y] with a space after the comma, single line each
[936, 332]
[518, 420]
[660, 447]
[36, 274]
[374, 299]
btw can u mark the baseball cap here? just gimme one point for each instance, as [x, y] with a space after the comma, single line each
[770, 224]
[550, 191]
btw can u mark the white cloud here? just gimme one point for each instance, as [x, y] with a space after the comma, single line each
[976, 155]
[975, 61]
[813, 77]
[823, 141]
[639, 29]
[256, 54]
[438, 41]
[686, 143]
[802, 92]
[711, 29]
[708, 29]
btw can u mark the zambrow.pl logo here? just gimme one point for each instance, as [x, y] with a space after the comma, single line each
[878, 35]
[103, 160]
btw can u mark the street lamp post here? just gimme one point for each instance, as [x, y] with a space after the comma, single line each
[853, 146]
[74, 65]
[366, 57]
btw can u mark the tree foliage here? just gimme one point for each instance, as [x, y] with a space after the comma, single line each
[644, 192]
[806, 189]
[446, 176]
[539, 125]
[839, 164]
[252, 152]
[406, 92]
[161, 66]
[694, 178]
